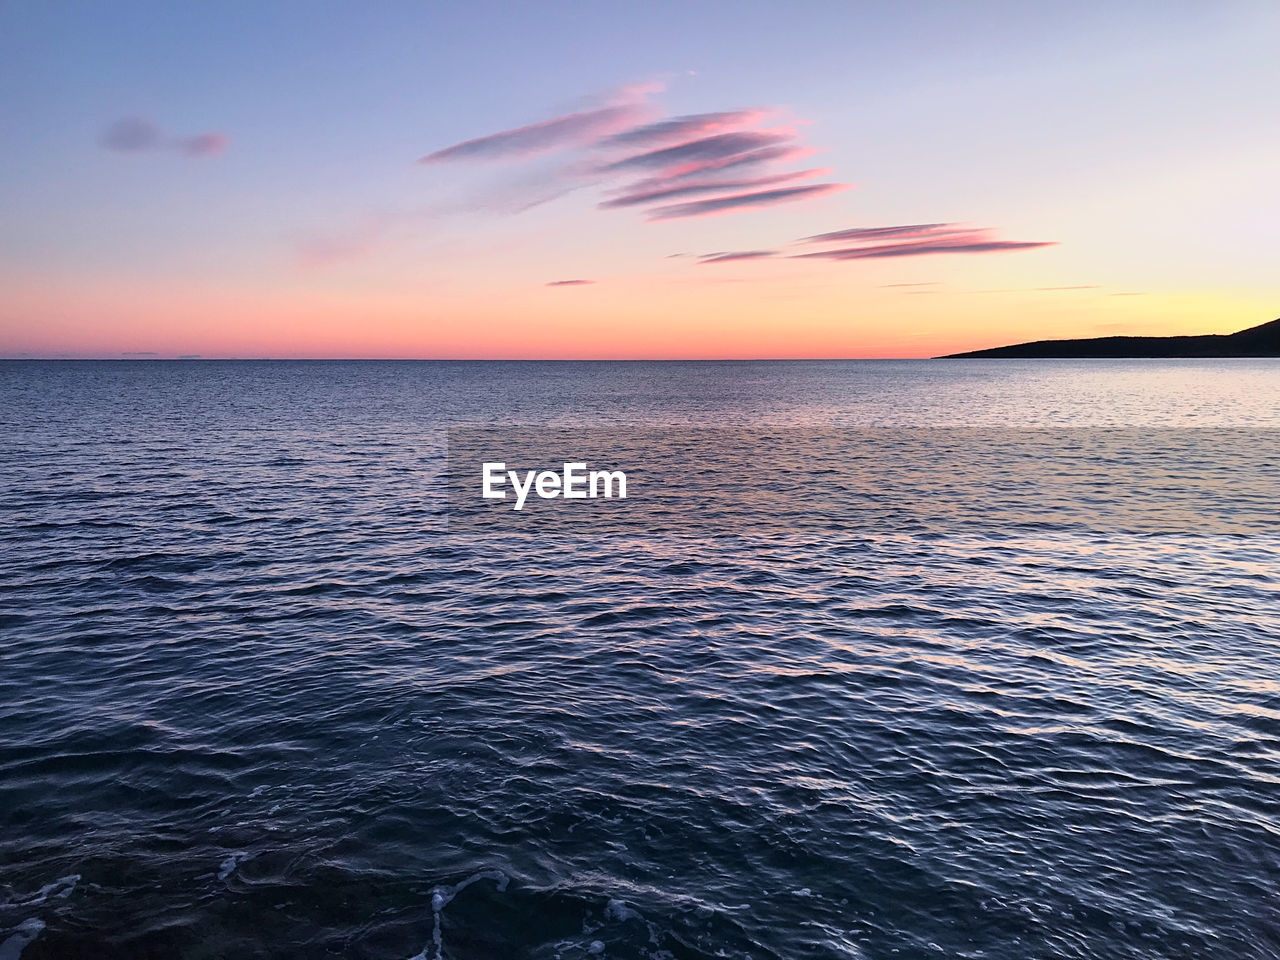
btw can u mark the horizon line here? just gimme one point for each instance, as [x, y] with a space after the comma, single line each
[11, 359]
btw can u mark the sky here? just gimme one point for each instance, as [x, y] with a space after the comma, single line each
[632, 180]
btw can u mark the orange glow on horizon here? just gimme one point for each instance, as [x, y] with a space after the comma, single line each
[711, 313]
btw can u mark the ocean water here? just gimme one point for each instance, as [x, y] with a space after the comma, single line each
[951, 659]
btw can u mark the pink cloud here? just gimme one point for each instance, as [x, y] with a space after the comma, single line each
[744, 201]
[877, 233]
[917, 240]
[720, 146]
[622, 145]
[684, 128]
[204, 145]
[752, 158]
[648, 191]
[683, 156]
[737, 255]
[908, 240]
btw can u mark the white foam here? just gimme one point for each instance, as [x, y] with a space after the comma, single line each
[441, 897]
[60, 888]
[229, 865]
[22, 935]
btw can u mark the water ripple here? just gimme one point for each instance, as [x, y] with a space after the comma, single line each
[256, 701]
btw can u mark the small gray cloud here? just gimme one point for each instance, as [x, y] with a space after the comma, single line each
[131, 135]
[570, 283]
[140, 135]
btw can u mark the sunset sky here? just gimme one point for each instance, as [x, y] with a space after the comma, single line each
[632, 180]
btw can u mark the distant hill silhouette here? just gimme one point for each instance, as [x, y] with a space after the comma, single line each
[1260, 341]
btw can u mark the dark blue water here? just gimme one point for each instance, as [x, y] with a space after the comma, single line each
[918, 689]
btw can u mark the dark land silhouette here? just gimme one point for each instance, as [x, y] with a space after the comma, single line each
[1259, 341]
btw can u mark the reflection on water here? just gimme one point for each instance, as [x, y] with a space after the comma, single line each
[944, 482]
[263, 693]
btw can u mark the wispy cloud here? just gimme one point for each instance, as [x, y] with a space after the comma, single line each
[695, 154]
[735, 255]
[921, 249]
[726, 153]
[859, 234]
[684, 128]
[915, 240]
[731, 161]
[570, 283]
[741, 201]
[650, 191]
[558, 133]
[751, 160]
[140, 135]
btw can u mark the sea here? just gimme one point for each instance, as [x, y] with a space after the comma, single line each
[881, 660]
